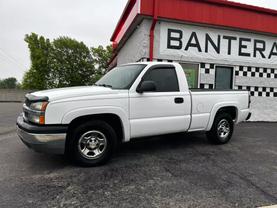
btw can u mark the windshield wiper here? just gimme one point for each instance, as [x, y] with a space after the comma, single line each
[104, 85]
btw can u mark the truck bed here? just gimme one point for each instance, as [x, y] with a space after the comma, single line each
[207, 101]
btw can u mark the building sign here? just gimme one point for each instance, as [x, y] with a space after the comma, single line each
[210, 43]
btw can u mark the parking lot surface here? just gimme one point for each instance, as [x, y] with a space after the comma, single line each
[181, 170]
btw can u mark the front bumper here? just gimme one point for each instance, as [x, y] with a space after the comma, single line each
[46, 139]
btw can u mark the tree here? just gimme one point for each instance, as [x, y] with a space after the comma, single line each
[71, 63]
[37, 76]
[63, 62]
[102, 57]
[9, 83]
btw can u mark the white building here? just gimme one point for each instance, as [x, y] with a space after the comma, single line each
[220, 44]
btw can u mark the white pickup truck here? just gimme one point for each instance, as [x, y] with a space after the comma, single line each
[131, 101]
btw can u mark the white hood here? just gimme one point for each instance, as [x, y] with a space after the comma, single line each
[71, 92]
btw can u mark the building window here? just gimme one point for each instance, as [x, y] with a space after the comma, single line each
[191, 71]
[224, 77]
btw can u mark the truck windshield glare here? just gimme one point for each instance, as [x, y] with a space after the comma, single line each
[121, 77]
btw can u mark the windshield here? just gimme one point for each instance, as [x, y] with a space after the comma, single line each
[121, 77]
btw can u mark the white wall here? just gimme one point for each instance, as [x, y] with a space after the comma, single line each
[9, 95]
[137, 46]
[264, 109]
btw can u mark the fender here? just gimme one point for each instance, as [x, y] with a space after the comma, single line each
[215, 110]
[71, 115]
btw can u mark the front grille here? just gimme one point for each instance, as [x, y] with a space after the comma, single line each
[25, 116]
[26, 108]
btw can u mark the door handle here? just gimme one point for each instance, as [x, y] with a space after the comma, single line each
[179, 100]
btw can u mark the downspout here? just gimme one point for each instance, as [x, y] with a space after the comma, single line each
[152, 29]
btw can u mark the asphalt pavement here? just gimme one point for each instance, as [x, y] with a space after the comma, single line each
[181, 170]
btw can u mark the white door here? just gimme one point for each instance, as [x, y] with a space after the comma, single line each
[166, 110]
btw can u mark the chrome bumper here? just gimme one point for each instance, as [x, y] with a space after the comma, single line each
[53, 143]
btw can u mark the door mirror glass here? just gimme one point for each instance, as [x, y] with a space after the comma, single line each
[147, 86]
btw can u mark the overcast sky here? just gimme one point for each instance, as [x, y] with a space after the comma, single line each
[90, 21]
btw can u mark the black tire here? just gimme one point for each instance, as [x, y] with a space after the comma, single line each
[218, 135]
[97, 128]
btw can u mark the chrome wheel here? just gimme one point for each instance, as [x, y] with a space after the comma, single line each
[223, 129]
[92, 144]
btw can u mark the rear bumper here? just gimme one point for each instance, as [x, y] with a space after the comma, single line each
[243, 115]
[47, 139]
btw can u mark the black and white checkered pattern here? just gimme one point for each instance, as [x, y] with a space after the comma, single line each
[206, 86]
[158, 60]
[259, 91]
[248, 71]
[257, 72]
[207, 68]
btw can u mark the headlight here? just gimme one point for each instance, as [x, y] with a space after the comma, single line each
[39, 106]
[36, 119]
[35, 113]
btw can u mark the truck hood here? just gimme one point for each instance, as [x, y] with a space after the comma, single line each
[71, 92]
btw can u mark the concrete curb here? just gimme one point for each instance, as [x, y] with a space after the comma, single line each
[11, 101]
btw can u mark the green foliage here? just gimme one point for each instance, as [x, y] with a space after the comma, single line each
[102, 56]
[9, 83]
[36, 77]
[63, 62]
[71, 64]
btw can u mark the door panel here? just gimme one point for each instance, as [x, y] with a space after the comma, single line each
[224, 77]
[157, 113]
[161, 111]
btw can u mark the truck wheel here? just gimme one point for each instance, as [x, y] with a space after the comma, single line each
[222, 129]
[93, 143]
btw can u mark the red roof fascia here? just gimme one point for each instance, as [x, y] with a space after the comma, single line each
[212, 12]
[242, 6]
[216, 12]
[128, 11]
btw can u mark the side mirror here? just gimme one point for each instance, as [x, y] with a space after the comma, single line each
[146, 86]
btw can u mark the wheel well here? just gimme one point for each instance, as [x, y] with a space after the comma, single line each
[232, 111]
[112, 119]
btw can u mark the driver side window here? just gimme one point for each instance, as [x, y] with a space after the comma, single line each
[165, 79]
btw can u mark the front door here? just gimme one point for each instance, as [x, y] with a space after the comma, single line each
[166, 110]
[224, 77]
